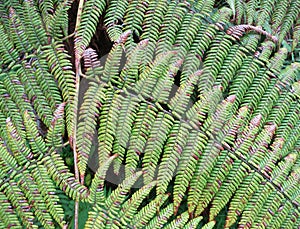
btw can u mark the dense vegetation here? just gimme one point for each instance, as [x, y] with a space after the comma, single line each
[149, 114]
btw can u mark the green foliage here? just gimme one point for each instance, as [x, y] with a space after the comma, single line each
[194, 113]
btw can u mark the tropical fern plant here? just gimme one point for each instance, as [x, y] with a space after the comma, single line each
[191, 120]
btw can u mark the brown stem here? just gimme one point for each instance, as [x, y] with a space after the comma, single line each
[77, 67]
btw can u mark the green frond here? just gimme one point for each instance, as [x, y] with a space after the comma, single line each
[280, 11]
[133, 20]
[19, 202]
[8, 53]
[63, 177]
[179, 222]
[91, 12]
[129, 105]
[193, 58]
[213, 62]
[94, 97]
[17, 145]
[193, 224]
[291, 15]
[146, 213]
[56, 131]
[118, 196]
[108, 125]
[49, 193]
[33, 23]
[33, 195]
[130, 207]
[60, 68]
[130, 72]
[7, 213]
[140, 132]
[192, 107]
[35, 94]
[9, 164]
[97, 187]
[111, 68]
[163, 216]
[250, 10]
[114, 18]
[296, 35]
[266, 8]
[153, 18]
[57, 24]
[191, 153]
[172, 21]
[154, 146]
[36, 142]
[18, 32]
[171, 155]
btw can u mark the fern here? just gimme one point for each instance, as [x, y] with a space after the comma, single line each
[193, 112]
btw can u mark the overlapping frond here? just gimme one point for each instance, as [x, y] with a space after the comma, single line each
[195, 105]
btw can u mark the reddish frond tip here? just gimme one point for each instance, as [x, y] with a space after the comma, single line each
[231, 98]
[272, 128]
[124, 36]
[256, 120]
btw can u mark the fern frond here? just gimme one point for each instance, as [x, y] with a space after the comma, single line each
[33, 195]
[213, 62]
[111, 68]
[57, 24]
[160, 220]
[91, 12]
[171, 22]
[57, 128]
[143, 217]
[8, 53]
[63, 178]
[130, 72]
[60, 68]
[193, 224]
[139, 135]
[18, 32]
[153, 18]
[113, 19]
[296, 35]
[202, 41]
[34, 93]
[18, 145]
[49, 193]
[172, 152]
[192, 152]
[133, 20]
[97, 195]
[280, 11]
[93, 100]
[250, 10]
[179, 222]
[290, 16]
[9, 164]
[7, 213]
[36, 142]
[129, 106]
[185, 36]
[33, 23]
[117, 197]
[20, 203]
[266, 8]
[130, 207]
[182, 99]
[108, 125]
[155, 143]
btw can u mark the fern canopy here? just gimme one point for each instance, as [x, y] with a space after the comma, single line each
[149, 114]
